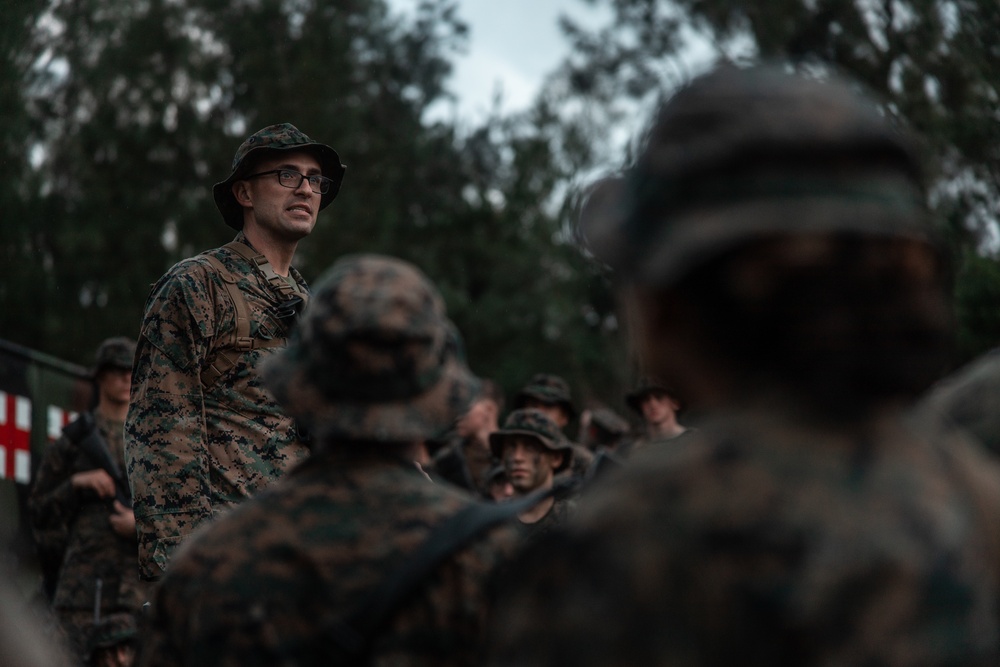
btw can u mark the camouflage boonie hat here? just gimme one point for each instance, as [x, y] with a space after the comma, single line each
[740, 153]
[609, 421]
[374, 357]
[112, 630]
[117, 352]
[533, 424]
[283, 136]
[549, 389]
[646, 386]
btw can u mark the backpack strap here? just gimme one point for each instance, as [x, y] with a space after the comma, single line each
[227, 354]
[351, 637]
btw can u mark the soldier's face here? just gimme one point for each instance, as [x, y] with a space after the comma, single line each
[658, 407]
[279, 213]
[479, 417]
[114, 384]
[529, 464]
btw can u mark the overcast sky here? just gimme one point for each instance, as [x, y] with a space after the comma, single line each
[512, 45]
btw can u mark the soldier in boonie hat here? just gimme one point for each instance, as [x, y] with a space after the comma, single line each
[543, 390]
[279, 137]
[375, 357]
[533, 450]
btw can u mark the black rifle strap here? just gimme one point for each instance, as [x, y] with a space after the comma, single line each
[354, 633]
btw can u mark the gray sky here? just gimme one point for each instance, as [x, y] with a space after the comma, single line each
[512, 45]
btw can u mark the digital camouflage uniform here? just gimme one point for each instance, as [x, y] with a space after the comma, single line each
[781, 532]
[194, 450]
[73, 526]
[374, 363]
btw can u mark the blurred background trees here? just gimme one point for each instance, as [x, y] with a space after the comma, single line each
[119, 115]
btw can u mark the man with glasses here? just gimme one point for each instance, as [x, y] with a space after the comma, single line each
[202, 433]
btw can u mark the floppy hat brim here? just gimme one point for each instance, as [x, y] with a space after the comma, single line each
[497, 439]
[424, 416]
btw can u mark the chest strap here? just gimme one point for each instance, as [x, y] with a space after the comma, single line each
[227, 354]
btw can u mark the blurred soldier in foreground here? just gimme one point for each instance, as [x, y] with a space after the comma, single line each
[292, 576]
[81, 511]
[551, 395]
[466, 460]
[773, 245]
[533, 451]
[202, 433]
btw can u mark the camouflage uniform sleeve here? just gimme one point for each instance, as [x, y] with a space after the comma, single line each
[53, 502]
[165, 429]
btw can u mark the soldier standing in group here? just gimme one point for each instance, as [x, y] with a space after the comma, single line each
[534, 450]
[658, 407]
[294, 575]
[202, 433]
[774, 245]
[551, 394]
[80, 508]
[465, 460]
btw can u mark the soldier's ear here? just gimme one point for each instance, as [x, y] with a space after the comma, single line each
[241, 191]
[556, 460]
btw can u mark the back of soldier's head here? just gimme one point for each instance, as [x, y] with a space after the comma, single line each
[789, 217]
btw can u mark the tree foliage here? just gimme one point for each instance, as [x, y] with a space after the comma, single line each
[132, 109]
[935, 65]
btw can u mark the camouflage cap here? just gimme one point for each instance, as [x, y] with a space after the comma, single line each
[283, 136]
[533, 424]
[374, 358]
[117, 352]
[743, 152]
[549, 389]
[609, 421]
[113, 629]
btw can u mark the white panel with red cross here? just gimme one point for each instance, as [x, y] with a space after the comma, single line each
[15, 438]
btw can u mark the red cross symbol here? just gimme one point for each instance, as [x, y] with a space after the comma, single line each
[15, 438]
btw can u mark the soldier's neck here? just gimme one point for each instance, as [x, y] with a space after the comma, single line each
[279, 253]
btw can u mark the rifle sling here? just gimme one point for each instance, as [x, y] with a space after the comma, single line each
[353, 634]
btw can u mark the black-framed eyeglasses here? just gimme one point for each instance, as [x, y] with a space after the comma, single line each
[293, 179]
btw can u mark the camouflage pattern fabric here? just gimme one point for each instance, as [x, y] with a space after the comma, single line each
[193, 453]
[375, 357]
[263, 585]
[76, 524]
[117, 352]
[546, 388]
[968, 398]
[716, 174]
[763, 539]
